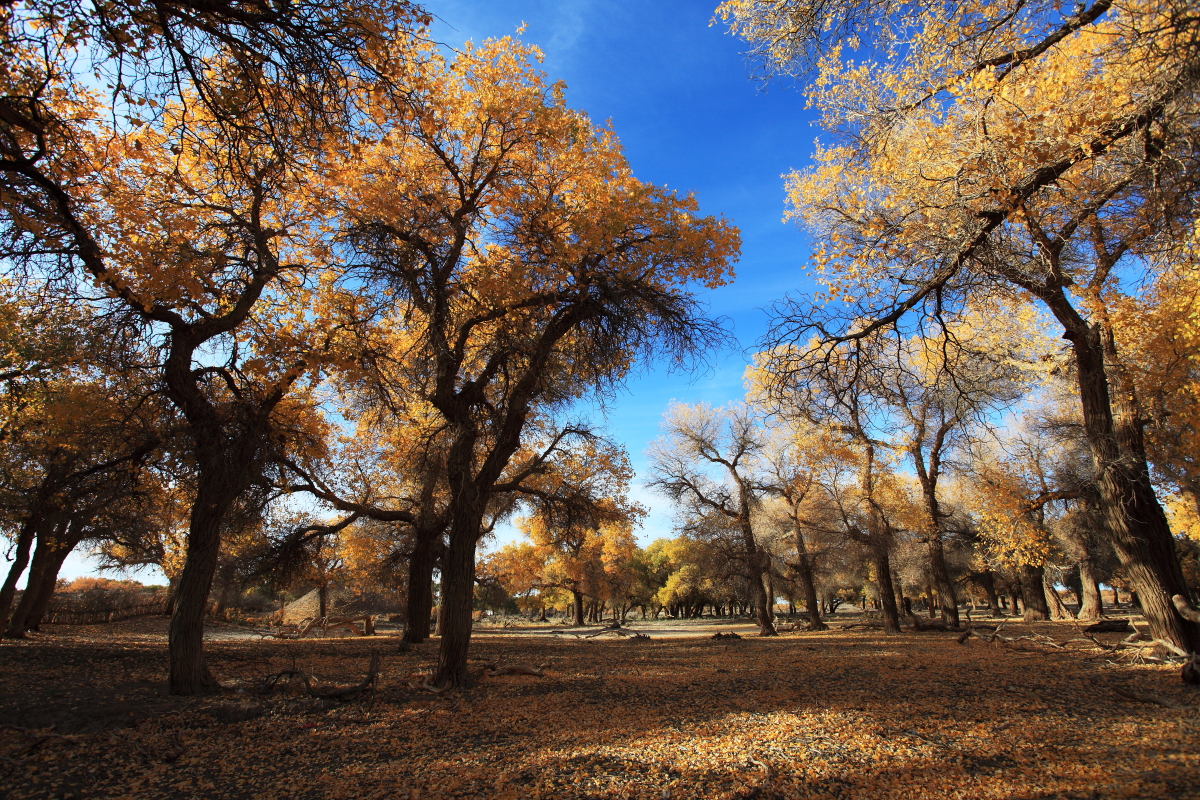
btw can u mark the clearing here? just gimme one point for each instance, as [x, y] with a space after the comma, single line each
[844, 713]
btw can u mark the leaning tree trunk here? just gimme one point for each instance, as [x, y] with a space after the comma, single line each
[43, 572]
[1033, 593]
[804, 570]
[1058, 611]
[188, 674]
[1135, 523]
[49, 581]
[883, 575]
[22, 547]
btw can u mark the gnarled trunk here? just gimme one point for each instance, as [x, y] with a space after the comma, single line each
[941, 578]
[1033, 593]
[804, 571]
[1134, 521]
[1093, 605]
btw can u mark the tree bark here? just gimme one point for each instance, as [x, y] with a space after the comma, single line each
[1092, 606]
[988, 581]
[39, 569]
[883, 576]
[947, 596]
[188, 673]
[418, 607]
[1134, 521]
[24, 544]
[49, 582]
[458, 580]
[1058, 611]
[1033, 593]
[804, 571]
[577, 607]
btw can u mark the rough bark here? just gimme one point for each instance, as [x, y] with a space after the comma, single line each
[947, 596]
[188, 672]
[1134, 521]
[577, 607]
[1033, 593]
[883, 573]
[1092, 606]
[418, 606]
[988, 581]
[22, 547]
[1058, 611]
[458, 580]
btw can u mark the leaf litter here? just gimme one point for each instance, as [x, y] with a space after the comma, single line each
[838, 714]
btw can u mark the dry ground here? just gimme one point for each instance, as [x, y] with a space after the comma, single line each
[850, 714]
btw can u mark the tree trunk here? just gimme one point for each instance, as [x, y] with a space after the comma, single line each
[804, 571]
[188, 673]
[418, 607]
[1092, 606]
[988, 581]
[44, 566]
[883, 575]
[757, 561]
[1033, 593]
[941, 578]
[1134, 521]
[24, 543]
[49, 582]
[577, 608]
[1058, 611]
[458, 582]
[323, 599]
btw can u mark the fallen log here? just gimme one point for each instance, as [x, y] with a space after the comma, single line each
[346, 693]
[516, 669]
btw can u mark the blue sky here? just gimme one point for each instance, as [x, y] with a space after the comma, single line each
[680, 98]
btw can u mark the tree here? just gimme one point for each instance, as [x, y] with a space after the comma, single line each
[1022, 150]
[697, 442]
[791, 471]
[528, 266]
[187, 197]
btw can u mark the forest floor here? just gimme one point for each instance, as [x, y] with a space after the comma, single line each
[845, 713]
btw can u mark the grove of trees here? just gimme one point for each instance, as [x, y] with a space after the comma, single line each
[294, 294]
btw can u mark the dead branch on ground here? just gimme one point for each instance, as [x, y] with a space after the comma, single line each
[347, 693]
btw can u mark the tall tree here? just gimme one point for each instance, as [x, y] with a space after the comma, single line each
[1024, 149]
[186, 194]
[527, 264]
[697, 442]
